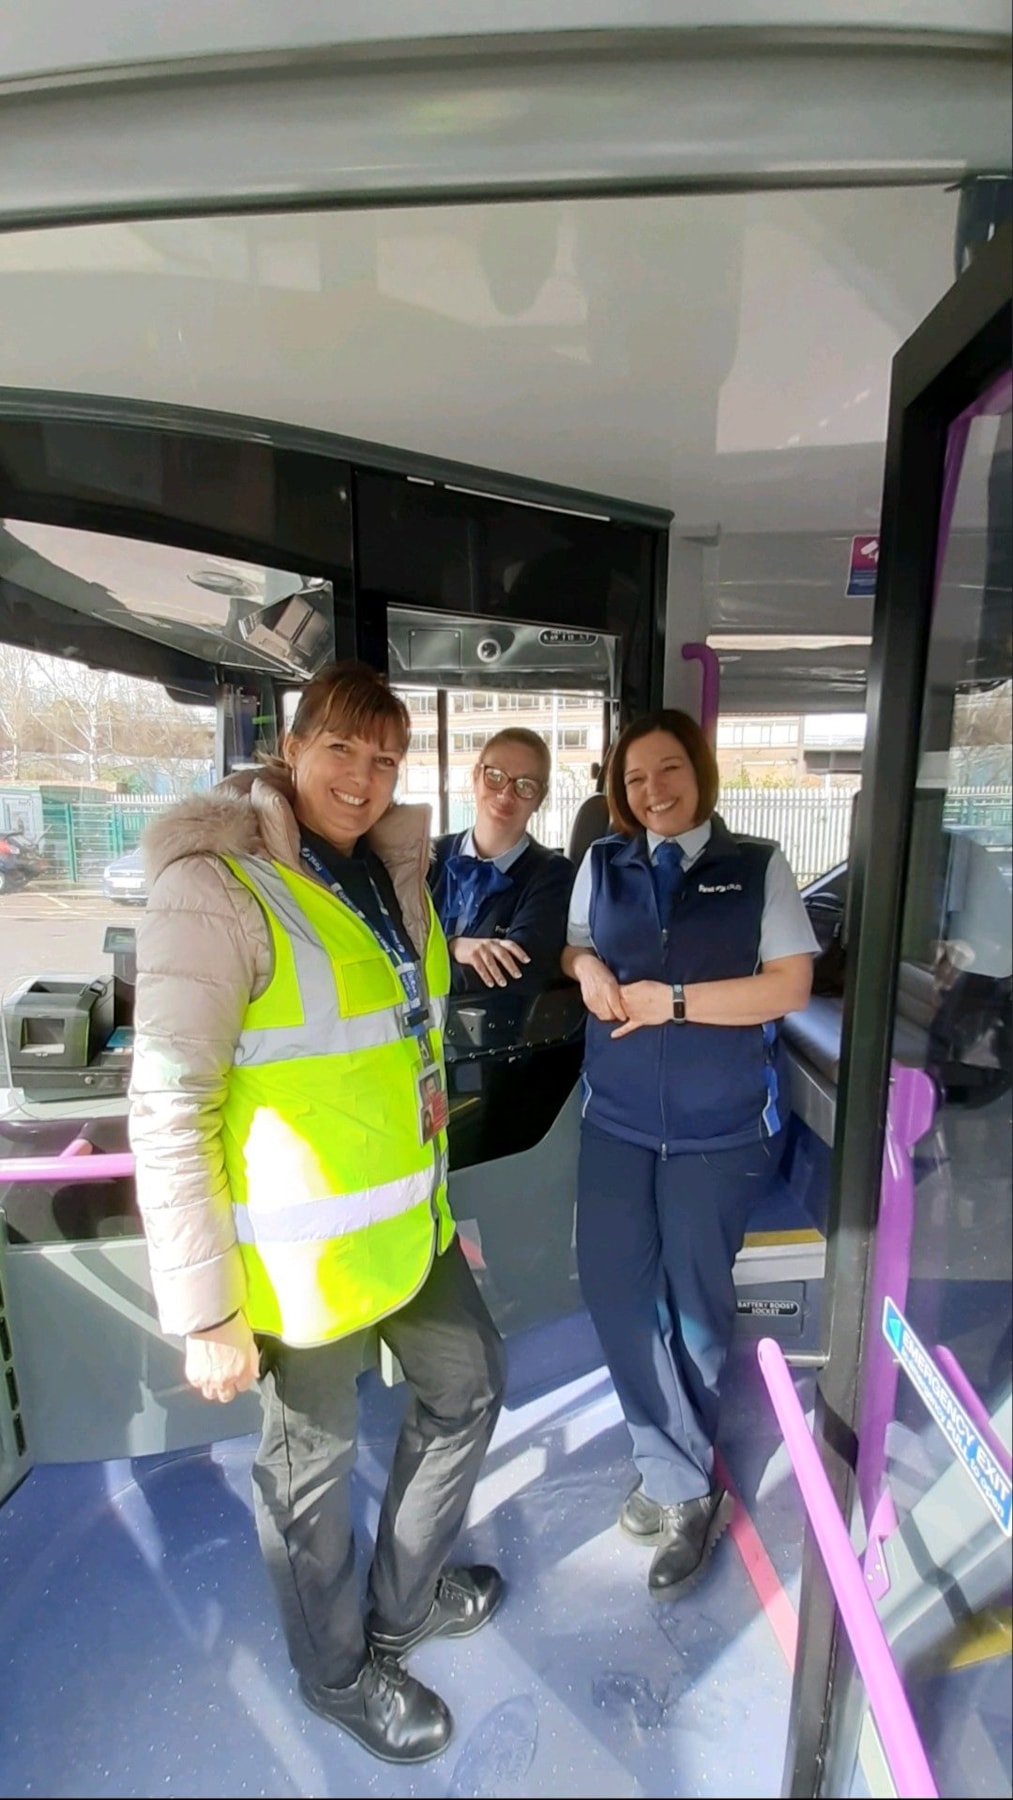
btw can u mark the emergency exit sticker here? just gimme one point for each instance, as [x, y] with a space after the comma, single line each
[863, 567]
[960, 1432]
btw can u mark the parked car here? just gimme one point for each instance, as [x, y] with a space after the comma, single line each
[123, 879]
[21, 861]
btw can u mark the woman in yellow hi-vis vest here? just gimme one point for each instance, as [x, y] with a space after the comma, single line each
[288, 1119]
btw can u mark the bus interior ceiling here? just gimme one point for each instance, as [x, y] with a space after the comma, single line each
[703, 375]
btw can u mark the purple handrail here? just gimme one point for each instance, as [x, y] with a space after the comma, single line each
[974, 1407]
[902, 1744]
[710, 683]
[909, 1114]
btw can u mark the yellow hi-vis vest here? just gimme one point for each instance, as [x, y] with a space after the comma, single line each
[339, 1206]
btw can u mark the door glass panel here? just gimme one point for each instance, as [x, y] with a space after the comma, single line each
[513, 1056]
[939, 1555]
[419, 781]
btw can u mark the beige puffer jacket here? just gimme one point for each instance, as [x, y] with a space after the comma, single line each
[203, 951]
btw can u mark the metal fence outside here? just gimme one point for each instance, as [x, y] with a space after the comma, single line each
[82, 836]
[988, 812]
[812, 825]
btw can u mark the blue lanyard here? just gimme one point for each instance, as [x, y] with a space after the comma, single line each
[416, 1019]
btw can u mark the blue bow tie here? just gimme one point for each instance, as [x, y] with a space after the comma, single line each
[668, 873]
[468, 882]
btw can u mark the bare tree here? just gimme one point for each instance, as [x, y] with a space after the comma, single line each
[16, 706]
[57, 716]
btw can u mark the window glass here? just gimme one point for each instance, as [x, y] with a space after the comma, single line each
[935, 1466]
[793, 778]
[88, 759]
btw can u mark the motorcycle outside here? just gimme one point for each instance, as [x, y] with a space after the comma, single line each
[20, 862]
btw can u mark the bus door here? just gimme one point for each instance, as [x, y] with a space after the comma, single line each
[918, 1446]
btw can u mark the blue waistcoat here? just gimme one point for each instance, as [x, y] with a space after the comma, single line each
[681, 1087]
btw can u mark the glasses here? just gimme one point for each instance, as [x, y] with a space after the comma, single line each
[526, 787]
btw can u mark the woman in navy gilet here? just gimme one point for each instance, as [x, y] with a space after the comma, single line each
[689, 945]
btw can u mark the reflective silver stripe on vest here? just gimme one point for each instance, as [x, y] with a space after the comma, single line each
[441, 1165]
[323, 1031]
[332, 1216]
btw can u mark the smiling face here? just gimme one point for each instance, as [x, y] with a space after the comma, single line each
[501, 813]
[660, 784]
[343, 784]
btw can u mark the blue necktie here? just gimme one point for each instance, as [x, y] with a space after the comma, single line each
[468, 882]
[668, 873]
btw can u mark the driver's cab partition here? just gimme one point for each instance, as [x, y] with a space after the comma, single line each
[512, 1077]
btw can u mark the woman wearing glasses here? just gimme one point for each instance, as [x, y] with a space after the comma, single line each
[501, 897]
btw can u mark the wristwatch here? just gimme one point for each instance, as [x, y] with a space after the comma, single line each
[678, 1003]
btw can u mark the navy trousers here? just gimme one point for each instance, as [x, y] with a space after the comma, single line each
[656, 1241]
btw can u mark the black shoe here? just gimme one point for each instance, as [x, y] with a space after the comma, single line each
[641, 1519]
[465, 1599]
[386, 1710]
[691, 1531]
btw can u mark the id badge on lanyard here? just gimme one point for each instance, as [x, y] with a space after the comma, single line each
[417, 1018]
[433, 1104]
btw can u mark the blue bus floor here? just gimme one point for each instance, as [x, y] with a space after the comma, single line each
[140, 1655]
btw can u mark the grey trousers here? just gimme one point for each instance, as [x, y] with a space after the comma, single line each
[452, 1358]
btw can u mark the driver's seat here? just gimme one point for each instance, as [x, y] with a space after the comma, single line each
[591, 822]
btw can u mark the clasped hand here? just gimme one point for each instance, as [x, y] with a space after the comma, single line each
[643, 1003]
[632, 1004]
[223, 1362]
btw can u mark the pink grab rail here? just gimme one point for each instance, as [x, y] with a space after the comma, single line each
[88, 1166]
[898, 1732]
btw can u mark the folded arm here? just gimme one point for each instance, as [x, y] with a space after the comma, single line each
[526, 950]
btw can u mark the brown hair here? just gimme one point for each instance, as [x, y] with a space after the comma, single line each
[355, 698]
[529, 740]
[688, 733]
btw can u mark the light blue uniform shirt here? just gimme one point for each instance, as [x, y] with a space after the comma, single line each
[784, 929]
[504, 862]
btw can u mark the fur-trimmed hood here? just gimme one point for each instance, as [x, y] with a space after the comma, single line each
[252, 813]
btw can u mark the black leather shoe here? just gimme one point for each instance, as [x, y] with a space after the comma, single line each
[641, 1519]
[690, 1533]
[386, 1710]
[465, 1600]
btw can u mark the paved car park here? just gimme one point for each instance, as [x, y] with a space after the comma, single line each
[56, 932]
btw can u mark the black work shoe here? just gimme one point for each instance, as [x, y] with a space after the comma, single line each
[641, 1519]
[691, 1531]
[465, 1599]
[386, 1710]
